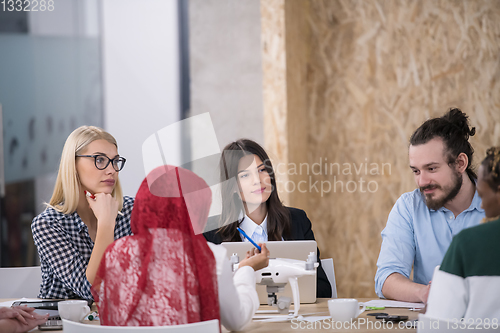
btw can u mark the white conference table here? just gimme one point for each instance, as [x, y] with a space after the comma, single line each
[364, 323]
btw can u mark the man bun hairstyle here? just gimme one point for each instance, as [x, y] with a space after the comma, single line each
[454, 129]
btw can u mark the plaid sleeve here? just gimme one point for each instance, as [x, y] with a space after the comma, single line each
[60, 258]
[122, 227]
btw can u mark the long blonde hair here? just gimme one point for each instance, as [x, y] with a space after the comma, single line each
[66, 193]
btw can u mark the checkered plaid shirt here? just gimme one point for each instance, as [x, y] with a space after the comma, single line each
[64, 247]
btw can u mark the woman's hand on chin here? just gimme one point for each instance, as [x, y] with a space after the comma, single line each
[105, 208]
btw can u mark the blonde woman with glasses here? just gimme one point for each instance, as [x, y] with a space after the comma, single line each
[86, 213]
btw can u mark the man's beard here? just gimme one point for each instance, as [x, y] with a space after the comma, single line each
[450, 192]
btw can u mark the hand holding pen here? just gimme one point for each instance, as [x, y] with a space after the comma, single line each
[249, 239]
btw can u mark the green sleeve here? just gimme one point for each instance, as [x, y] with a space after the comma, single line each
[454, 259]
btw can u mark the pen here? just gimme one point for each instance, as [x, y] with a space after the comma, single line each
[91, 196]
[251, 240]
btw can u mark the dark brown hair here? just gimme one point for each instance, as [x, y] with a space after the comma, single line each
[278, 216]
[455, 131]
[491, 167]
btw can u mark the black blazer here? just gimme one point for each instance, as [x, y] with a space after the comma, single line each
[300, 230]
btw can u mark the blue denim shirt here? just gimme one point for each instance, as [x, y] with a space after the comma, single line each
[419, 236]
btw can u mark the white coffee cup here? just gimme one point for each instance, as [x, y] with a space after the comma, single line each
[344, 309]
[74, 310]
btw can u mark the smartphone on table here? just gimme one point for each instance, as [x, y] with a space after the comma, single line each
[42, 307]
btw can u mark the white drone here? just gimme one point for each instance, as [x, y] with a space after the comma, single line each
[278, 273]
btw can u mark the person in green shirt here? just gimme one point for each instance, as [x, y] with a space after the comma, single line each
[467, 283]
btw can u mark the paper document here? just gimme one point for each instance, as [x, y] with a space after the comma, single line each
[272, 318]
[313, 319]
[310, 317]
[394, 304]
[271, 311]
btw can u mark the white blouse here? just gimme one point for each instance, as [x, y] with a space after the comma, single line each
[238, 300]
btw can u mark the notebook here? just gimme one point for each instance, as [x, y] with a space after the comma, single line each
[285, 249]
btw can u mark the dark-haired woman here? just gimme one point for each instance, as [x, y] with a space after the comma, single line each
[467, 283]
[253, 202]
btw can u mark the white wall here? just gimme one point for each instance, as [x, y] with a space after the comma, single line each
[141, 76]
[226, 67]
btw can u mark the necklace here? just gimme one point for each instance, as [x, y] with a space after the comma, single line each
[489, 219]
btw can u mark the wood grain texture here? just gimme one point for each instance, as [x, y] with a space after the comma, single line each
[374, 71]
[274, 83]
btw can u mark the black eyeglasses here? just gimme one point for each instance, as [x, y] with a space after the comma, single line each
[102, 161]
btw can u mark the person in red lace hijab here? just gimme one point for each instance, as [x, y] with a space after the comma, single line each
[164, 274]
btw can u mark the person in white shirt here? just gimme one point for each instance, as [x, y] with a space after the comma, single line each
[238, 298]
[166, 273]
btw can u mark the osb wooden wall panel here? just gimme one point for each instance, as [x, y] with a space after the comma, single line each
[297, 41]
[375, 70]
[286, 52]
[274, 83]
[378, 69]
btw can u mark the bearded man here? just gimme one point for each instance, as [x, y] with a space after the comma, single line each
[423, 222]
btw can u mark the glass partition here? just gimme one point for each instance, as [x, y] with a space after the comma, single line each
[50, 83]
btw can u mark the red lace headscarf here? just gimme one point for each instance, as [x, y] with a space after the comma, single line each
[164, 274]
